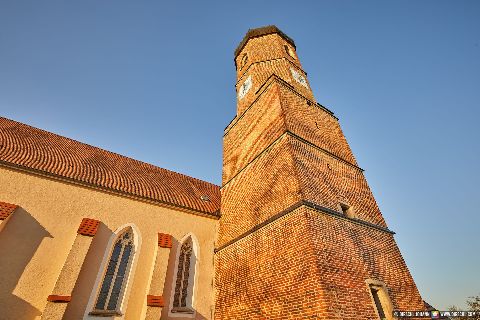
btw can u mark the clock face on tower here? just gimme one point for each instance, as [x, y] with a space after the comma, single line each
[245, 87]
[299, 78]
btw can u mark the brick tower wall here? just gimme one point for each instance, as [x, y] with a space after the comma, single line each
[285, 248]
[348, 254]
[243, 142]
[269, 275]
[310, 265]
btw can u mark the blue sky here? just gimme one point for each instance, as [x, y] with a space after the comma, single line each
[155, 81]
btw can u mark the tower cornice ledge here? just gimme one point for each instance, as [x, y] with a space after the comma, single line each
[271, 79]
[297, 137]
[308, 204]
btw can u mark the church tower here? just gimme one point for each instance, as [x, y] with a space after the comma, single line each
[300, 233]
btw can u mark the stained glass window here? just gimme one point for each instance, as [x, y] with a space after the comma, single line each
[180, 298]
[116, 274]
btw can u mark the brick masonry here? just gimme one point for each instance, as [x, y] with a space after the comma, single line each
[59, 299]
[278, 258]
[314, 124]
[267, 56]
[309, 265]
[164, 240]
[243, 141]
[88, 227]
[155, 301]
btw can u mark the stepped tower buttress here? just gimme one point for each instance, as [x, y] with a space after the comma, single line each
[300, 233]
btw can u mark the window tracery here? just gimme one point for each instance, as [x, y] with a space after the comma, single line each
[184, 279]
[116, 275]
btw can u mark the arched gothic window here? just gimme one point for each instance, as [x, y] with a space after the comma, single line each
[182, 298]
[115, 278]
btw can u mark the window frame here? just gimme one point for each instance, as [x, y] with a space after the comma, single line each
[383, 296]
[189, 311]
[119, 312]
[347, 210]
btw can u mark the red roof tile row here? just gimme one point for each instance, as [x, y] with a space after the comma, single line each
[32, 148]
[6, 209]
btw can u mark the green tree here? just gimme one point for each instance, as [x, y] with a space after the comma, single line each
[473, 304]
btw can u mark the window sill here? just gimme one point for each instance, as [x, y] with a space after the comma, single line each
[105, 313]
[182, 310]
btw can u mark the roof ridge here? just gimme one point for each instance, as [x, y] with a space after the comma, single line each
[41, 150]
[108, 151]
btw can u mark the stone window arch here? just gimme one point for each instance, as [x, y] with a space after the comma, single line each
[185, 275]
[112, 285]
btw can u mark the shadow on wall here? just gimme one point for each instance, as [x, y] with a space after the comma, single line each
[88, 274]
[169, 286]
[19, 240]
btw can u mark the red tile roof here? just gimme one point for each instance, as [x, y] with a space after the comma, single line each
[6, 209]
[35, 149]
